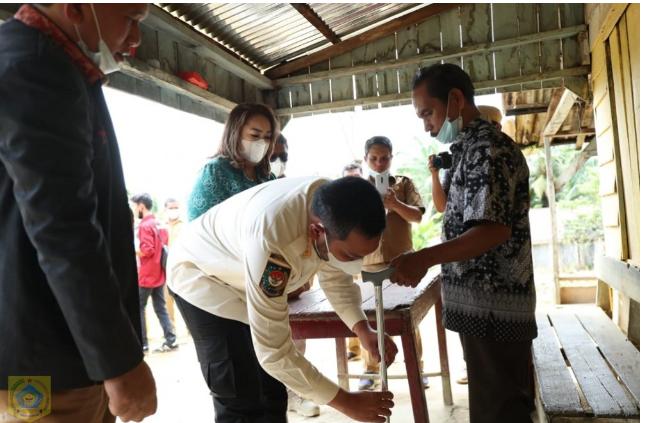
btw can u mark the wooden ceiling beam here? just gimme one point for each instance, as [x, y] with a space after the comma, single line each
[361, 39]
[316, 21]
[561, 104]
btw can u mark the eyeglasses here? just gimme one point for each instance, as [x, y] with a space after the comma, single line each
[283, 156]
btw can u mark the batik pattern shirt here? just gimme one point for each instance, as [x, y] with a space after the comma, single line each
[491, 296]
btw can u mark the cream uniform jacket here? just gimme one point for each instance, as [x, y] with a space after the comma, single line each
[219, 260]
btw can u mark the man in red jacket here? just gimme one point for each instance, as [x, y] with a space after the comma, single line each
[151, 275]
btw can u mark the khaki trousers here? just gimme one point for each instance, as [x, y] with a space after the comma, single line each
[84, 405]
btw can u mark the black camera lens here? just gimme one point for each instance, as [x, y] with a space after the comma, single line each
[442, 161]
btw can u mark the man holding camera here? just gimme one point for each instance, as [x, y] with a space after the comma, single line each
[487, 273]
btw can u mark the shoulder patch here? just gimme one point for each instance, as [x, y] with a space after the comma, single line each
[274, 280]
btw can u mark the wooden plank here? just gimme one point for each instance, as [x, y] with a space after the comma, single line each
[552, 204]
[428, 36]
[423, 59]
[321, 90]
[629, 146]
[550, 50]
[628, 167]
[475, 20]
[148, 48]
[620, 275]
[365, 83]
[386, 51]
[559, 113]
[406, 96]
[607, 180]
[507, 60]
[180, 32]
[621, 355]
[235, 88]
[603, 21]
[571, 14]
[301, 93]
[342, 88]
[613, 245]
[604, 394]
[359, 40]
[144, 72]
[407, 42]
[555, 387]
[634, 35]
[316, 21]
[450, 33]
[529, 60]
[167, 53]
[610, 211]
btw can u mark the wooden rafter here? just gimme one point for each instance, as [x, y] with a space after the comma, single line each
[469, 50]
[361, 39]
[316, 21]
[561, 104]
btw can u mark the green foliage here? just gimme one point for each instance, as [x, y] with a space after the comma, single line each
[416, 167]
[586, 227]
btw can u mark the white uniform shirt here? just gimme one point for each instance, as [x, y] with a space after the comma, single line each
[217, 265]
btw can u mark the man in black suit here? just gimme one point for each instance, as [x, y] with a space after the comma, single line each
[68, 283]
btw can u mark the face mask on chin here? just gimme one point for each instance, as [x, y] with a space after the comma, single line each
[103, 58]
[450, 129]
[353, 267]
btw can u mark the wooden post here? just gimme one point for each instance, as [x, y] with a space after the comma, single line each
[552, 203]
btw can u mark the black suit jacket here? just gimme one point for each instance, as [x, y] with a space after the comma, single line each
[68, 281]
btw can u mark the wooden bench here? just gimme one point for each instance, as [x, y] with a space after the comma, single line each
[311, 316]
[585, 369]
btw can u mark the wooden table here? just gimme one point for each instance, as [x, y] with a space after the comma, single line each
[311, 316]
[585, 368]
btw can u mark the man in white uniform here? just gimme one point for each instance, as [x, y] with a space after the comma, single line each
[232, 269]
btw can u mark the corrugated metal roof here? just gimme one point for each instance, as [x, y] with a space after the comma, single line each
[266, 34]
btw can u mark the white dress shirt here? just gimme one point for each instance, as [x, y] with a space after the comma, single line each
[219, 259]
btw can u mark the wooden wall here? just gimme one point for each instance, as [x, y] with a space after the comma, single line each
[615, 79]
[522, 55]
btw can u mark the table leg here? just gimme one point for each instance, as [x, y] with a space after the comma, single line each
[415, 382]
[443, 351]
[342, 363]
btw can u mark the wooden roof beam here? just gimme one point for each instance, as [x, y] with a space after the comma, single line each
[421, 59]
[361, 39]
[316, 21]
[561, 104]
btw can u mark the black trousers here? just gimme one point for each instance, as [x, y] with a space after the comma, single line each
[158, 299]
[500, 380]
[242, 391]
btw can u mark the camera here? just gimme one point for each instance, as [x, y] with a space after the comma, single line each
[442, 160]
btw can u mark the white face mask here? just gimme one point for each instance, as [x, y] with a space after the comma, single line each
[173, 214]
[103, 58]
[352, 268]
[278, 168]
[254, 151]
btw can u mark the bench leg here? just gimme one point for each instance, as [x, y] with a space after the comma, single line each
[342, 363]
[443, 351]
[415, 381]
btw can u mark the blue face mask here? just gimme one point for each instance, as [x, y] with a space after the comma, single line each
[450, 129]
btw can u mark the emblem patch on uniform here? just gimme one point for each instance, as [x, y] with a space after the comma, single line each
[275, 279]
[29, 397]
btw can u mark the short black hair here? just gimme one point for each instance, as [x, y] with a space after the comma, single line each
[144, 198]
[377, 140]
[352, 166]
[442, 78]
[282, 140]
[349, 203]
[170, 200]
